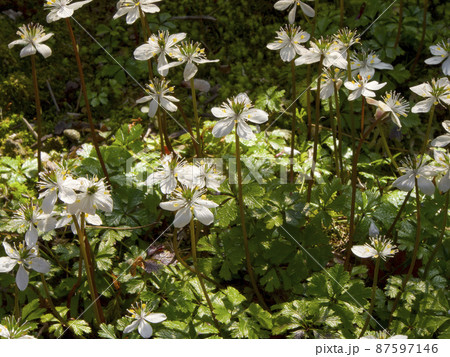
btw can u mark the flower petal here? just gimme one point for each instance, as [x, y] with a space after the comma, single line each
[223, 127]
[244, 131]
[31, 236]
[155, 317]
[131, 326]
[423, 106]
[40, 265]
[28, 50]
[44, 50]
[257, 116]
[22, 278]
[182, 217]
[364, 251]
[7, 264]
[145, 329]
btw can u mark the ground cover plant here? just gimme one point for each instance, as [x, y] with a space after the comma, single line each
[224, 169]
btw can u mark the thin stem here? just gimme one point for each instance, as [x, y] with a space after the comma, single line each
[400, 22]
[441, 237]
[91, 282]
[308, 102]
[166, 135]
[422, 39]
[189, 128]
[294, 121]
[183, 262]
[427, 135]
[353, 201]
[363, 105]
[333, 127]
[38, 112]
[194, 104]
[86, 101]
[386, 148]
[414, 254]
[146, 33]
[372, 297]
[244, 229]
[161, 129]
[16, 302]
[50, 302]
[199, 276]
[351, 109]
[339, 124]
[316, 131]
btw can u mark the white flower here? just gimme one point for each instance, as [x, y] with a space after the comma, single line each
[284, 4]
[57, 184]
[157, 95]
[379, 247]
[344, 39]
[443, 166]
[32, 216]
[363, 87]
[162, 45]
[237, 111]
[143, 318]
[170, 171]
[289, 41]
[436, 92]
[329, 78]
[441, 53]
[66, 218]
[93, 195]
[131, 9]
[61, 9]
[187, 201]
[207, 176]
[443, 140]
[14, 329]
[392, 103]
[189, 53]
[365, 64]
[416, 170]
[32, 36]
[322, 48]
[27, 258]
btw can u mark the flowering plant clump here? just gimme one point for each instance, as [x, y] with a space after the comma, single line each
[248, 193]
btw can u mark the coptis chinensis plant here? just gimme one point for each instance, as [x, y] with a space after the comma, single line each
[224, 169]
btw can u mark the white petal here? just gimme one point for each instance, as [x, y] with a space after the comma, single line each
[67, 195]
[244, 131]
[77, 5]
[426, 186]
[423, 106]
[172, 205]
[405, 183]
[168, 105]
[307, 10]
[275, 46]
[131, 326]
[153, 108]
[308, 58]
[441, 141]
[203, 214]
[10, 251]
[145, 329]
[171, 65]
[162, 61]
[49, 202]
[375, 85]
[132, 16]
[363, 251]
[351, 85]
[373, 230]
[423, 89]
[355, 95]
[143, 52]
[446, 66]
[257, 116]
[149, 8]
[94, 219]
[287, 54]
[17, 42]
[220, 112]
[444, 183]
[437, 50]
[31, 236]
[383, 65]
[44, 50]
[155, 317]
[282, 4]
[7, 264]
[434, 60]
[223, 127]
[22, 278]
[40, 265]
[182, 217]
[168, 184]
[64, 12]
[291, 16]
[28, 50]
[206, 203]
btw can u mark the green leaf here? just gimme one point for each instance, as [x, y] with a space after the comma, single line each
[107, 331]
[262, 316]
[79, 327]
[270, 280]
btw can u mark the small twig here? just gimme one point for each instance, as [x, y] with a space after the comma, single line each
[30, 128]
[52, 95]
